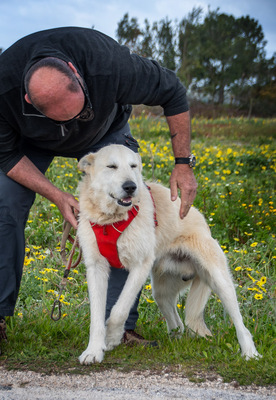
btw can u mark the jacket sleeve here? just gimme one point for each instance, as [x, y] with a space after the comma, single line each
[10, 153]
[144, 81]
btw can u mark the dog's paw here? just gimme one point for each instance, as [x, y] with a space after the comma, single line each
[90, 356]
[252, 353]
[112, 342]
[114, 339]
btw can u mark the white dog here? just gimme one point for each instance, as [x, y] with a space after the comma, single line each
[178, 253]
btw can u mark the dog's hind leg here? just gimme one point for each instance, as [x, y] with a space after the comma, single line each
[166, 288]
[222, 285]
[213, 269]
[194, 308]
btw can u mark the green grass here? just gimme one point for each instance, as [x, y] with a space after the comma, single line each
[236, 193]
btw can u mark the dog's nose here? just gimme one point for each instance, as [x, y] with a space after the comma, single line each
[129, 187]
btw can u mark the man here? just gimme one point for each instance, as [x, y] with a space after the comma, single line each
[67, 92]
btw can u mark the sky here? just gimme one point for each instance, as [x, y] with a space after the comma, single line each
[19, 18]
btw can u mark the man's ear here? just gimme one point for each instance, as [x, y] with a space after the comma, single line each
[27, 98]
[74, 69]
[86, 162]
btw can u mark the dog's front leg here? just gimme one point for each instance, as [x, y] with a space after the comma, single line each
[120, 311]
[97, 279]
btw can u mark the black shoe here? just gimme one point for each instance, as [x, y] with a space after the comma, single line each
[132, 338]
[3, 330]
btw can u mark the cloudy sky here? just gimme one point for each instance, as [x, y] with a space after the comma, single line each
[22, 17]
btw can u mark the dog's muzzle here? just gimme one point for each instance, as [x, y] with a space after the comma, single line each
[129, 187]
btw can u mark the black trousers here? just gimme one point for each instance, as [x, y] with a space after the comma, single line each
[15, 203]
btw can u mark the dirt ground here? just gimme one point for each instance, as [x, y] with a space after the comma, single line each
[112, 384]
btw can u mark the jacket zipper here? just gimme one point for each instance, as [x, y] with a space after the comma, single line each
[62, 127]
[62, 130]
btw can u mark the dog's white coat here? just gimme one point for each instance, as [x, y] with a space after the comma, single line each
[177, 253]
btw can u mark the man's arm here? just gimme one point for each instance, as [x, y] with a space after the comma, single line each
[182, 176]
[26, 173]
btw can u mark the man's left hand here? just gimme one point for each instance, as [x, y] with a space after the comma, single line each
[183, 178]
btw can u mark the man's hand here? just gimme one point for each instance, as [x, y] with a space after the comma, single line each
[183, 178]
[69, 208]
[26, 173]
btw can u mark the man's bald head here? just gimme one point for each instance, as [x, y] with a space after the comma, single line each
[48, 83]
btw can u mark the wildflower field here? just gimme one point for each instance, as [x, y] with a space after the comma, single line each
[236, 173]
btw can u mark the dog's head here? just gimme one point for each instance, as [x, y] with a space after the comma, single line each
[113, 175]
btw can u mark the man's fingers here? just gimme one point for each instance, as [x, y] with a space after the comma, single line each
[184, 208]
[69, 207]
[183, 178]
[174, 192]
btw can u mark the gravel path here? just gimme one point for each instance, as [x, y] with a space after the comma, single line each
[111, 384]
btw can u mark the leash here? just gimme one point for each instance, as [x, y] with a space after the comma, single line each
[68, 265]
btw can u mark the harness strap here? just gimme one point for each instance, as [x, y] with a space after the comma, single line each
[154, 213]
[107, 236]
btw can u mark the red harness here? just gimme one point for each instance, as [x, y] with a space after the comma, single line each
[108, 235]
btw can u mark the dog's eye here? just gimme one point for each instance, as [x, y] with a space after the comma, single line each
[113, 166]
[133, 165]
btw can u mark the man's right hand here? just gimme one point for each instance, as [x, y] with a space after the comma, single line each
[69, 208]
[28, 175]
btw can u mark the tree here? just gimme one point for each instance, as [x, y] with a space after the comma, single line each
[165, 43]
[156, 41]
[188, 41]
[228, 50]
[258, 94]
[219, 58]
[128, 32]
[147, 47]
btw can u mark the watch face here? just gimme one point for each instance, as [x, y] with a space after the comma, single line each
[192, 161]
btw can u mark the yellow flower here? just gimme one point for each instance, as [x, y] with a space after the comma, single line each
[254, 244]
[238, 268]
[27, 261]
[148, 287]
[262, 281]
[251, 277]
[258, 296]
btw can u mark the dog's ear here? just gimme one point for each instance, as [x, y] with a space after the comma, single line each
[85, 162]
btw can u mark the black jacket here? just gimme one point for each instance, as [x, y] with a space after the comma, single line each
[114, 79]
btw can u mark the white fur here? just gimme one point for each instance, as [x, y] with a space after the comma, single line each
[175, 249]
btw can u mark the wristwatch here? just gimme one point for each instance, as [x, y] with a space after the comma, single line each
[191, 160]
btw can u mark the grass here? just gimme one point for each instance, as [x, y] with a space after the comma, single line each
[236, 193]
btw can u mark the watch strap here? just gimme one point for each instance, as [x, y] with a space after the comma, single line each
[182, 160]
[191, 160]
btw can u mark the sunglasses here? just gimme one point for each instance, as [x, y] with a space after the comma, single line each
[86, 114]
